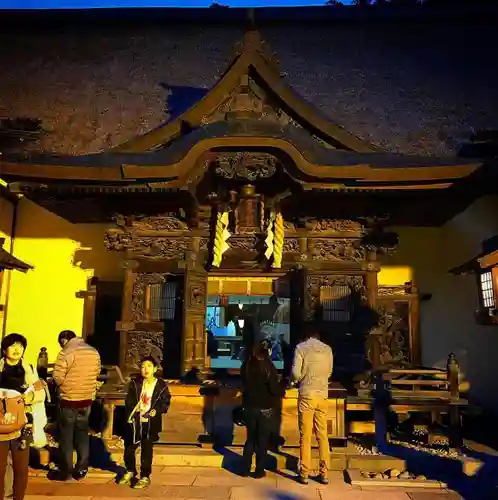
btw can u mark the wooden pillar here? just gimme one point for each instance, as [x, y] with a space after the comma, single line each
[126, 324]
[371, 284]
[89, 297]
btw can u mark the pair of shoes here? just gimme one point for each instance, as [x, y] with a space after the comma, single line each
[322, 479]
[259, 474]
[302, 479]
[78, 475]
[142, 483]
[126, 479]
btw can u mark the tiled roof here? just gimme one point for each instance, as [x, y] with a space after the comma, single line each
[411, 89]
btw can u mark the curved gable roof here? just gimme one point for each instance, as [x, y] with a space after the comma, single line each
[252, 60]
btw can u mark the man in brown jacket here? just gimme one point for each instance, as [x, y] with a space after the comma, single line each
[75, 374]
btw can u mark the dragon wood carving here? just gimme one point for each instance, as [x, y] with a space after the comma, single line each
[243, 165]
[334, 226]
[151, 247]
[141, 344]
[338, 249]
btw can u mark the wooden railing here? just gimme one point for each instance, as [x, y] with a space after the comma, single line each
[429, 391]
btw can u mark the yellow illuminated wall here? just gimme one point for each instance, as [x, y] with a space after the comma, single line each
[43, 301]
[6, 216]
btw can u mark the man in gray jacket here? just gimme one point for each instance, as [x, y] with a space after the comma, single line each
[311, 370]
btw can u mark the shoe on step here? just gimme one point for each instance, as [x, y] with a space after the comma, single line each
[78, 475]
[126, 479]
[142, 483]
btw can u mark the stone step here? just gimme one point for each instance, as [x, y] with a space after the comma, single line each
[170, 456]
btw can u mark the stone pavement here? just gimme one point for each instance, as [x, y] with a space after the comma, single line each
[218, 484]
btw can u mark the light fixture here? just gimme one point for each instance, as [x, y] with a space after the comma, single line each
[241, 305]
[241, 322]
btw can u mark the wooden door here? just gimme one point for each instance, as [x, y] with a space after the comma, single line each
[194, 348]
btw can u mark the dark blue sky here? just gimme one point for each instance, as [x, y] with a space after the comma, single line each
[82, 4]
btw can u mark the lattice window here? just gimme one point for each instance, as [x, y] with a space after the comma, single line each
[336, 303]
[162, 301]
[487, 292]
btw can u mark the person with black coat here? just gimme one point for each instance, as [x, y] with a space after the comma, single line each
[261, 394]
[148, 398]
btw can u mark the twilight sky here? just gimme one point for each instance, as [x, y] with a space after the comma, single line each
[86, 4]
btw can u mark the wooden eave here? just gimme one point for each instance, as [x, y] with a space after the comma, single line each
[8, 261]
[358, 170]
[488, 260]
[6, 194]
[251, 61]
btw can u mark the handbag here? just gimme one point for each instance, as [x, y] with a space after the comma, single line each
[12, 414]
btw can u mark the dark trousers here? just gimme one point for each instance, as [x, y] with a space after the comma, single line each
[20, 463]
[258, 436]
[130, 458]
[73, 434]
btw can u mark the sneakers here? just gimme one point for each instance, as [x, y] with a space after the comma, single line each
[78, 475]
[142, 483]
[126, 479]
[322, 479]
[302, 479]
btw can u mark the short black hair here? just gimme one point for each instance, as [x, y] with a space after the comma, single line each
[13, 338]
[151, 359]
[66, 335]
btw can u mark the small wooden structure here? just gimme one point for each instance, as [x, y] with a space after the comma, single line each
[430, 391]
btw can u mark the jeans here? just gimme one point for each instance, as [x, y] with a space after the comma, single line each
[20, 463]
[73, 434]
[313, 418]
[130, 458]
[259, 426]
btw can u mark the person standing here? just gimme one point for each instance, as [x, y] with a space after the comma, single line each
[261, 394]
[18, 377]
[75, 374]
[311, 370]
[148, 398]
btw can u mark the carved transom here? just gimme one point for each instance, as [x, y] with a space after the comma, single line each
[247, 166]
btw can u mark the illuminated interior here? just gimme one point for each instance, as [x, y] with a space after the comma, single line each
[243, 310]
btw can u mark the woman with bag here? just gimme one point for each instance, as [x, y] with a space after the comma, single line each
[261, 394]
[21, 394]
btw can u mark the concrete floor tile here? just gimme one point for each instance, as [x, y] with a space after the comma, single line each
[361, 495]
[262, 493]
[434, 495]
[173, 479]
[194, 492]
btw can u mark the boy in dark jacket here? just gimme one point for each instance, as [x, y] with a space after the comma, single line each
[147, 399]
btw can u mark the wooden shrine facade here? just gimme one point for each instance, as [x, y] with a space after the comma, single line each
[253, 182]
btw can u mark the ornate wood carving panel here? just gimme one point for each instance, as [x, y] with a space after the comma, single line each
[143, 343]
[398, 326]
[315, 282]
[245, 166]
[194, 321]
[336, 249]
